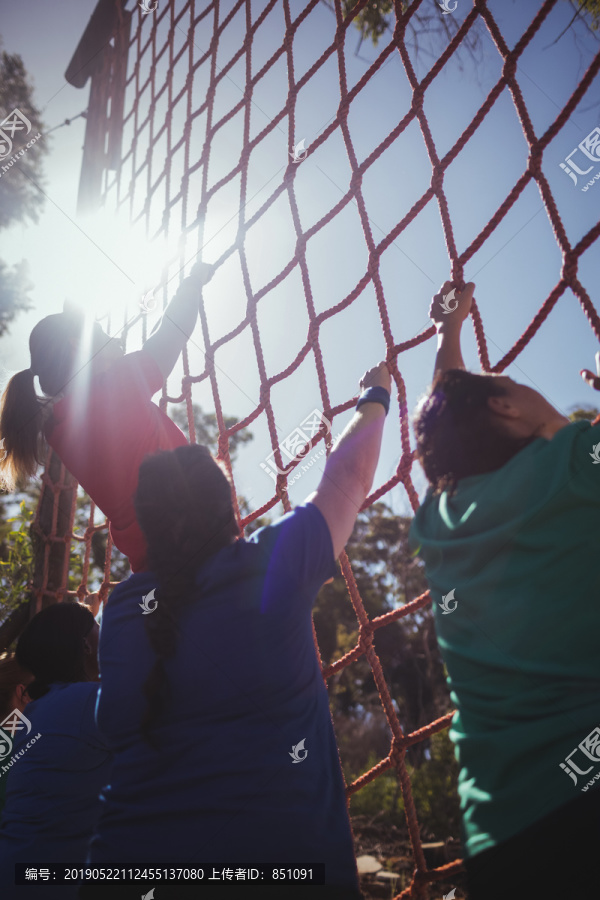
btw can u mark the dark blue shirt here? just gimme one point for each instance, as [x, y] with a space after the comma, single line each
[54, 782]
[245, 689]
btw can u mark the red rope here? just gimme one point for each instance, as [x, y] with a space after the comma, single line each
[202, 35]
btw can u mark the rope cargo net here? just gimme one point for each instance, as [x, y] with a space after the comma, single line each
[173, 123]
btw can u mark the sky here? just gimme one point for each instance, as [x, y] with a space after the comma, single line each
[107, 264]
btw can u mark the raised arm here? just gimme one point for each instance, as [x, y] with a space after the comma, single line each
[448, 311]
[590, 378]
[178, 321]
[351, 465]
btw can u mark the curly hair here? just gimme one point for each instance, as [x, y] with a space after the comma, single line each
[184, 506]
[456, 433]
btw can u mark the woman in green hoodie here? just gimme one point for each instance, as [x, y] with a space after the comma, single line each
[509, 531]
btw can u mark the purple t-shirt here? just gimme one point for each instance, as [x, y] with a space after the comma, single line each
[245, 689]
[54, 782]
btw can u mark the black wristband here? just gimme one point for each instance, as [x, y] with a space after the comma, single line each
[375, 395]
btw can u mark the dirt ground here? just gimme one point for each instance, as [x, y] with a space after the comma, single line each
[390, 845]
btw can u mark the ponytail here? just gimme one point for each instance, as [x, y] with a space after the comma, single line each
[21, 421]
[176, 591]
[22, 413]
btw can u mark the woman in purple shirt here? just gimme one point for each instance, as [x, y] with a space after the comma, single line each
[212, 694]
[56, 760]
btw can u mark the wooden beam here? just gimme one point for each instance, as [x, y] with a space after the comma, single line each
[100, 29]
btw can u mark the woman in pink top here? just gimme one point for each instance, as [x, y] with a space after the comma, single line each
[97, 412]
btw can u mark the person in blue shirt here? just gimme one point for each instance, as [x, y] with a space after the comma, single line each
[56, 760]
[13, 695]
[212, 695]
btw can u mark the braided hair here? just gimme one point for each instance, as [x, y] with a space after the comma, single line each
[456, 431]
[184, 507]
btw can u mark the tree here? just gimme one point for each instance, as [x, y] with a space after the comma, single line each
[387, 575]
[16, 557]
[207, 429]
[589, 414]
[586, 9]
[207, 433]
[20, 197]
[427, 31]
[14, 289]
[17, 567]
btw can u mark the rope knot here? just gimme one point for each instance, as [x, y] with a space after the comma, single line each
[365, 636]
[313, 331]
[510, 68]
[264, 394]
[569, 269]
[437, 179]
[534, 165]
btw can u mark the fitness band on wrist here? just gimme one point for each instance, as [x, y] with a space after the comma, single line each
[375, 395]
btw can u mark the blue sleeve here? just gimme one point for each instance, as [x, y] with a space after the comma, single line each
[299, 551]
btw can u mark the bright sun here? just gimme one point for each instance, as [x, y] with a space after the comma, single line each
[118, 266]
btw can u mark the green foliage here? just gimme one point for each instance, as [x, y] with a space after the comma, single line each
[14, 288]
[207, 429]
[372, 21]
[387, 576]
[433, 788]
[427, 31]
[590, 8]
[20, 198]
[377, 17]
[207, 433]
[16, 559]
[119, 566]
[381, 798]
[586, 414]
